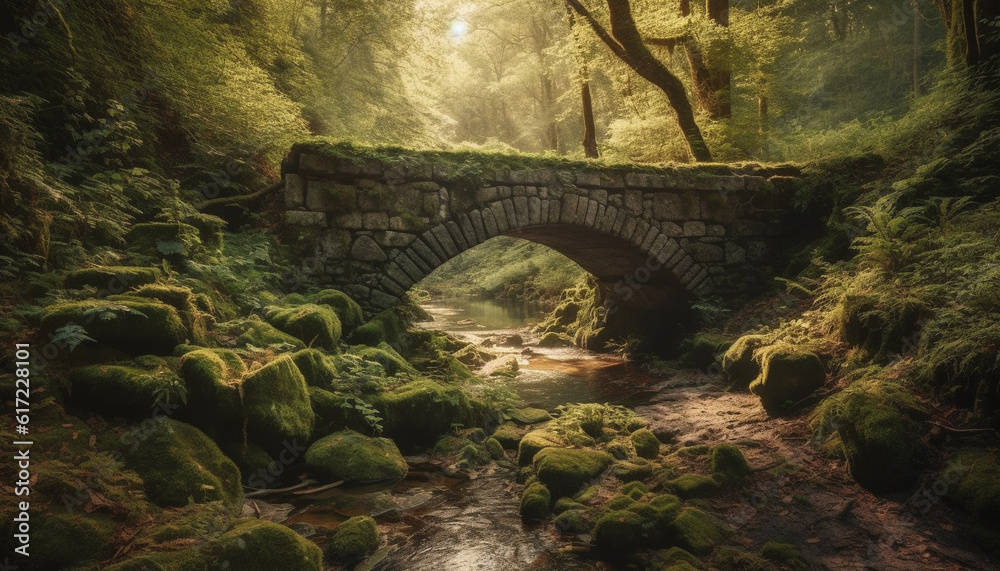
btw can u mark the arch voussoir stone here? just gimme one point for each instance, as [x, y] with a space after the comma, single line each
[378, 230]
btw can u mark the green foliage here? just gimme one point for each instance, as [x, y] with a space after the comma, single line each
[71, 335]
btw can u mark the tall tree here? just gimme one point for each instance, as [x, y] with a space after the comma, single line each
[626, 43]
[586, 99]
[967, 23]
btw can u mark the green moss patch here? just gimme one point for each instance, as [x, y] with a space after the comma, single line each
[276, 404]
[417, 413]
[179, 465]
[385, 327]
[695, 531]
[213, 377]
[312, 324]
[739, 363]
[628, 471]
[529, 415]
[646, 444]
[318, 369]
[618, 533]
[532, 442]
[978, 490]
[123, 390]
[564, 471]
[783, 554]
[133, 326]
[253, 332]
[60, 540]
[728, 464]
[535, 502]
[693, 486]
[353, 540]
[174, 241]
[787, 376]
[347, 309]
[384, 355]
[355, 458]
[256, 545]
[509, 435]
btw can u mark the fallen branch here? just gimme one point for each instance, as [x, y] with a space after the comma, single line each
[239, 198]
[258, 492]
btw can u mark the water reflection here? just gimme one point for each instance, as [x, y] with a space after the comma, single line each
[472, 314]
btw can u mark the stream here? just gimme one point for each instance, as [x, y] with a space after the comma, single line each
[438, 519]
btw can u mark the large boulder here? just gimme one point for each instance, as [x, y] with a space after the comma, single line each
[739, 362]
[314, 325]
[256, 545]
[535, 502]
[318, 369]
[417, 413]
[130, 391]
[787, 376]
[347, 309]
[564, 471]
[356, 458]
[276, 403]
[353, 540]
[179, 464]
[213, 378]
[134, 326]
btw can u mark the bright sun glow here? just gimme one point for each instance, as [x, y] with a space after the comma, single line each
[458, 30]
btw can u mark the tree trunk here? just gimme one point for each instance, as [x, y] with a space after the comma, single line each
[540, 40]
[589, 132]
[720, 80]
[965, 29]
[626, 43]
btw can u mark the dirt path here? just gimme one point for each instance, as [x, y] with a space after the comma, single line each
[801, 497]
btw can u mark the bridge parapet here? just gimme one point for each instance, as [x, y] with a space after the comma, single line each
[373, 222]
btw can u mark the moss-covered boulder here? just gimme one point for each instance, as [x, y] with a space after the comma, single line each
[787, 376]
[134, 326]
[179, 464]
[495, 449]
[739, 362]
[695, 531]
[693, 486]
[728, 464]
[180, 298]
[564, 471]
[529, 415]
[347, 309]
[618, 533]
[635, 490]
[676, 559]
[384, 355]
[632, 471]
[554, 339]
[318, 369]
[213, 378]
[129, 391]
[355, 458]
[276, 404]
[314, 325]
[334, 411]
[353, 540]
[385, 327]
[704, 350]
[111, 279]
[256, 545]
[783, 554]
[977, 489]
[65, 540]
[535, 502]
[646, 444]
[532, 442]
[417, 413]
[509, 435]
[254, 332]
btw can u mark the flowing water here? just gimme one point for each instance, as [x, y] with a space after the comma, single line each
[437, 519]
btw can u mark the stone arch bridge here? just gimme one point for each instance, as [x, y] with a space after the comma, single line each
[374, 222]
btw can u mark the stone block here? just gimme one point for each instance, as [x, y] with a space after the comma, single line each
[375, 221]
[350, 221]
[295, 191]
[633, 201]
[303, 218]
[715, 230]
[734, 254]
[521, 210]
[456, 235]
[569, 204]
[508, 210]
[534, 210]
[587, 179]
[636, 180]
[705, 252]
[444, 238]
[694, 228]
[394, 239]
[335, 243]
[672, 229]
[476, 218]
[325, 196]
[365, 249]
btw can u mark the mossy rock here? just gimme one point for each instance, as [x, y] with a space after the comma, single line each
[133, 326]
[473, 355]
[213, 377]
[564, 503]
[347, 309]
[978, 489]
[332, 414]
[733, 558]
[574, 521]
[635, 490]
[355, 458]
[783, 554]
[787, 376]
[252, 331]
[693, 486]
[588, 495]
[180, 298]
[112, 279]
[628, 471]
[318, 369]
[535, 502]
[564, 471]
[646, 444]
[174, 241]
[127, 391]
[179, 465]
[495, 449]
[695, 531]
[529, 415]
[532, 442]
[509, 435]
[258, 468]
[256, 545]
[618, 533]
[384, 355]
[312, 324]
[353, 540]
[210, 230]
[865, 322]
[553, 339]
[417, 413]
[385, 327]
[620, 502]
[676, 559]
[739, 363]
[276, 404]
[61, 540]
[728, 464]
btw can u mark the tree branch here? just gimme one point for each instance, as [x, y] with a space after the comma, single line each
[615, 47]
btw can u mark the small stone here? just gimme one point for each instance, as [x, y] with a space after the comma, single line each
[301, 218]
[366, 250]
